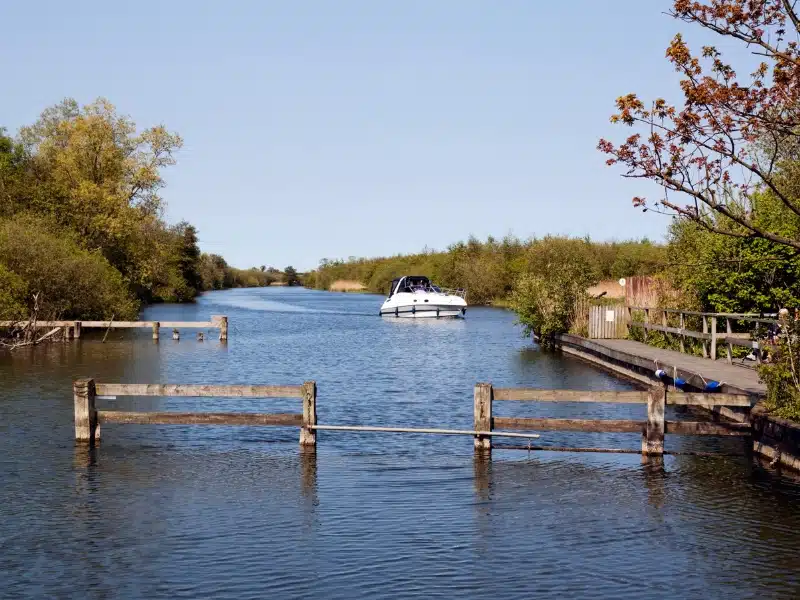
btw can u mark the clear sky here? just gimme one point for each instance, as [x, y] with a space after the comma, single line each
[333, 128]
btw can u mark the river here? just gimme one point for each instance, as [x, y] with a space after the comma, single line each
[215, 512]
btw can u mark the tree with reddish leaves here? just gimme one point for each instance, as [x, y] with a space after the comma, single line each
[736, 139]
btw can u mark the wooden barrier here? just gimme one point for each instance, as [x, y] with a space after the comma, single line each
[73, 329]
[88, 418]
[653, 429]
[713, 336]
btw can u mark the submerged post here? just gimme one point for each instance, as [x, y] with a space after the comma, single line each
[77, 329]
[156, 327]
[86, 427]
[221, 322]
[653, 435]
[483, 415]
[308, 436]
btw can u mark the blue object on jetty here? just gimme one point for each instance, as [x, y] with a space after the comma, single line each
[661, 373]
[678, 382]
[713, 386]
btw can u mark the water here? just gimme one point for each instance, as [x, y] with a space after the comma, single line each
[188, 512]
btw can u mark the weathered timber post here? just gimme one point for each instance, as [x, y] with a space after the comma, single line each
[221, 322]
[156, 327]
[629, 321]
[713, 338]
[308, 436]
[683, 338]
[87, 429]
[730, 346]
[646, 322]
[77, 328]
[484, 395]
[664, 320]
[176, 335]
[653, 435]
[705, 341]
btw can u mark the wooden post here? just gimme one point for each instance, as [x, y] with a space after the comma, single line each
[730, 346]
[156, 327]
[484, 395]
[87, 429]
[705, 341]
[713, 338]
[653, 435]
[77, 329]
[664, 320]
[308, 436]
[683, 338]
[646, 322]
[629, 321]
[222, 322]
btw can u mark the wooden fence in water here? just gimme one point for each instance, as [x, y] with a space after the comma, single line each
[73, 329]
[89, 418]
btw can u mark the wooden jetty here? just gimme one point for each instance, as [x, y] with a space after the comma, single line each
[73, 329]
[653, 427]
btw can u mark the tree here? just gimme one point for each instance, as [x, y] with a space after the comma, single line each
[189, 257]
[734, 137]
[291, 277]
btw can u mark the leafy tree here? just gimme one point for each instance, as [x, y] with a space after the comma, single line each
[291, 277]
[189, 257]
[735, 136]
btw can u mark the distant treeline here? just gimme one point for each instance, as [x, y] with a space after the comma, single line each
[82, 233]
[489, 270]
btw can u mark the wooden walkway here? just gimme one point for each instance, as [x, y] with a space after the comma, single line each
[644, 360]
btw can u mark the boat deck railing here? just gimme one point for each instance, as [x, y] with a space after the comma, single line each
[460, 292]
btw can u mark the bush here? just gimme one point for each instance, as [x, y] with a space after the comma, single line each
[71, 282]
[13, 292]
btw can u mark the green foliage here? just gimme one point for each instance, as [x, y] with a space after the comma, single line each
[13, 292]
[782, 374]
[489, 270]
[545, 299]
[728, 274]
[71, 282]
[291, 277]
[83, 183]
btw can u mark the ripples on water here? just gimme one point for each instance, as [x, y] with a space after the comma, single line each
[188, 512]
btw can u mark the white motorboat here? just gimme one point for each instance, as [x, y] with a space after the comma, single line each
[416, 297]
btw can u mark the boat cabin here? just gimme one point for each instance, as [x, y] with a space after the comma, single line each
[410, 284]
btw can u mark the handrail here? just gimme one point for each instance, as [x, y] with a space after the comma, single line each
[760, 317]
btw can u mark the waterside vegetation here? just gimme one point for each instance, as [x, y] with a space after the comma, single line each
[82, 232]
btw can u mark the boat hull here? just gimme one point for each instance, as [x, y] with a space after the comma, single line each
[429, 311]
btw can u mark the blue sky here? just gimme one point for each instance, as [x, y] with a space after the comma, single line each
[361, 127]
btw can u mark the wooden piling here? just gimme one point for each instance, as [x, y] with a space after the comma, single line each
[176, 335]
[156, 327]
[653, 436]
[77, 329]
[308, 435]
[483, 415]
[222, 322]
[87, 429]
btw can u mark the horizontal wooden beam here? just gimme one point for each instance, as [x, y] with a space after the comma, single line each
[148, 324]
[619, 426]
[709, 400]
[531, 394]
[176, 418]
[115, 324]
[706, 428]
[200, 391]
[596, 425]
[626, 397]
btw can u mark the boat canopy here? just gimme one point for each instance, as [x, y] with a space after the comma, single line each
[409, 283]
